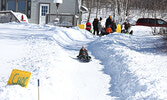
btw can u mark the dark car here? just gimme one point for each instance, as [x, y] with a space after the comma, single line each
[151, 22]
[158, 25]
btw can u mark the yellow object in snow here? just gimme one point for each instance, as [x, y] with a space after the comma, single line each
[118, 28]
[19, 77]
[81, 26]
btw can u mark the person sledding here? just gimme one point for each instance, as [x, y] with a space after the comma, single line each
[83, 55]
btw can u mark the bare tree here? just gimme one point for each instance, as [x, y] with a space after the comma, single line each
[120, 9]
[90, 6]
[98, 6]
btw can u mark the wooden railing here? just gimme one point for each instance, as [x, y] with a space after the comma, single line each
[64, 20]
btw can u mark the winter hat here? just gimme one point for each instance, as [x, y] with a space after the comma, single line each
[110, 16]
[83, 46]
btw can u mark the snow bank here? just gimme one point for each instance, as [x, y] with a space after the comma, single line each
[136, 66]
[142, 30]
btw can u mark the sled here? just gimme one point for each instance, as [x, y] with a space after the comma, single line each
[84, 59]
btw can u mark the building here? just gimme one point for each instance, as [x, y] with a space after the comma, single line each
[36, 10]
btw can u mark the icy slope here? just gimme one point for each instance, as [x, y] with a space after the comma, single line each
[50, 54]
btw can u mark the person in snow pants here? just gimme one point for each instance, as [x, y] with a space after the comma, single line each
[95, 26]
[100, 26]
[83, 53]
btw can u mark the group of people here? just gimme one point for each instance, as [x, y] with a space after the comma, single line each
[110, 26]
[97, 26]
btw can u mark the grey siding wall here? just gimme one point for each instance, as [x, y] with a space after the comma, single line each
[68, 6]
[34, 12]
[0, 4]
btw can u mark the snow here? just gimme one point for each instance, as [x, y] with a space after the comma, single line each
[19, 16]
[123, 67]
[10, 16]
[50, 54]
[142, 30]
[135, 65]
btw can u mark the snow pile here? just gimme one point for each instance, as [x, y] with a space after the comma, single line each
[137, 68]
[21, 17]
[10, 16]
[50, 54]
[142, 30]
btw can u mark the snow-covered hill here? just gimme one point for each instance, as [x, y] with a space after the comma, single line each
[50, 54]
[123, 67]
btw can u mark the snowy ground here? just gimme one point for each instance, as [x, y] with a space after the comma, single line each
[50, 54]
[123, 67]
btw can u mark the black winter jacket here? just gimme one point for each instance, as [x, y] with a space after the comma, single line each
[95, 24]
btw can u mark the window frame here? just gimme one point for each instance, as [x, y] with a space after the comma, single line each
[25, 8]
[16, 5]
[8, 4]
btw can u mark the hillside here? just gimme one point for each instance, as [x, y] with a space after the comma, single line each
[123, 67]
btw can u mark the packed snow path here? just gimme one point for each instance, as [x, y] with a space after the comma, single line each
[50, 54]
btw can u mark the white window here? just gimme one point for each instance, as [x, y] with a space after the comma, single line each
[44, 10]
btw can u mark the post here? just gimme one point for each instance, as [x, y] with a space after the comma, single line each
[38, 90]
[57, 5]
[58, 2]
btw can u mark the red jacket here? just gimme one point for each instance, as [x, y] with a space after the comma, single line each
[88, 26]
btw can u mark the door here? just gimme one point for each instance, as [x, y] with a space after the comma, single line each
[44, 9]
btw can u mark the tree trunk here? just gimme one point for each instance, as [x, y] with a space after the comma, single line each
[127, 8]
[90, 9]
[98, 6]
[118, 11]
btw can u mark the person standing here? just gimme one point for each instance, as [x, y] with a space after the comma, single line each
[95, 26]
[108, 22]
[113, 26]
[100, 25]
